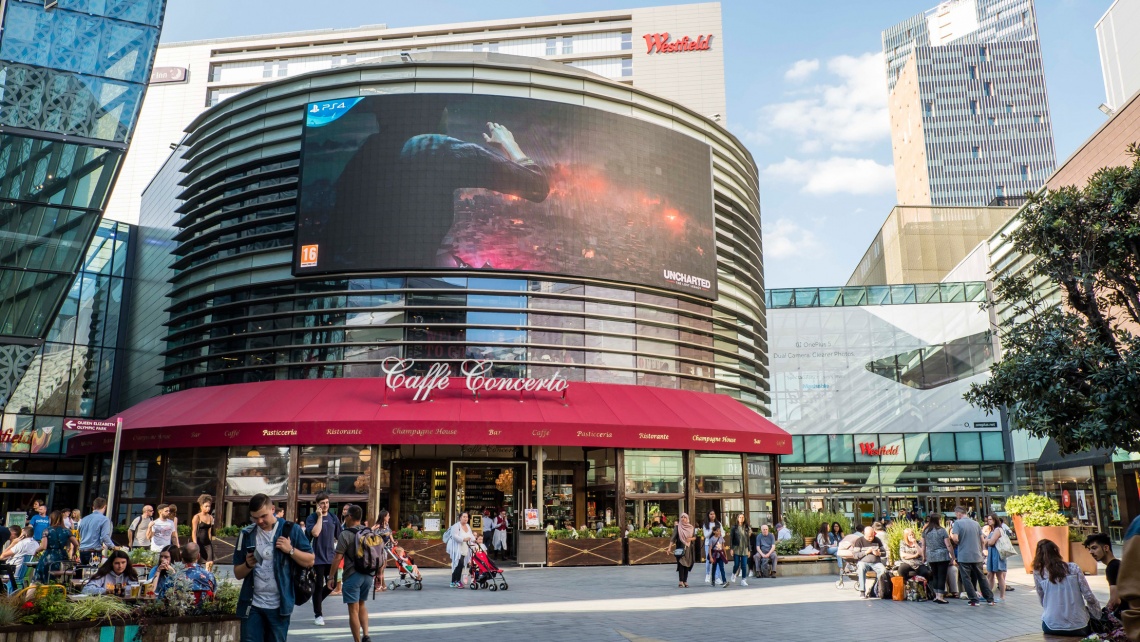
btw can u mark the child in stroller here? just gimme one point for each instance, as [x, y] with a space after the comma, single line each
[409, 573]
[483, 571]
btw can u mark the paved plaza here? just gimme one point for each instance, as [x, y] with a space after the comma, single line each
[642, 603]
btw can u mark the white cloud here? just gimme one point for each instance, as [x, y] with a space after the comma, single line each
[842, 115]
[835, 175]
[785, 239]
[801, 69]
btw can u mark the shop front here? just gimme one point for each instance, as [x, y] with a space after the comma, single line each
[429, 448]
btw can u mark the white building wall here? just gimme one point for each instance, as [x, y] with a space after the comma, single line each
[608, 43]
[1118, 37]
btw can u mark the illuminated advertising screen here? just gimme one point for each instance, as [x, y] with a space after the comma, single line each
[429, 181]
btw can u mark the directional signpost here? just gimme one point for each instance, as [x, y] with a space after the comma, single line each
[93, 425]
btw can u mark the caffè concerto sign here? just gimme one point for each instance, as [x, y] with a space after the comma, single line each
[474, 374]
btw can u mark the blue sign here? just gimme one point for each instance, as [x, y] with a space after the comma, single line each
[325, 112]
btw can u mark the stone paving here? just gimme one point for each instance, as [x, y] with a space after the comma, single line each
[642, 603]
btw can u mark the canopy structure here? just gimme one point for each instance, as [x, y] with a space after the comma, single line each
[366, 411]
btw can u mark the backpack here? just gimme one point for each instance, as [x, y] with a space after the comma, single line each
[304, 579]
[368, 552]
[446, 536]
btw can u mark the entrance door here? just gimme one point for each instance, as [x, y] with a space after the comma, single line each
[865, 513]
[490, 486]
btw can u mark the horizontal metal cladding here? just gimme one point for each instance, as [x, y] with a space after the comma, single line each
[238, 314]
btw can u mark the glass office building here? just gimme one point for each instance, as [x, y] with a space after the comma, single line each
[73, 74]
[869, 382]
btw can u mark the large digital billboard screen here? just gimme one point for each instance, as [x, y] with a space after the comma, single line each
[429, 181]
[879, 369]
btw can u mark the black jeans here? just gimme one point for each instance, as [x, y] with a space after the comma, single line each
[968, 573]
[938, 581]
[321, 590]
[457, 572]
[1071, 633]
[682, 571]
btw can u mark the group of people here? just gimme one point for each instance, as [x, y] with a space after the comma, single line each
[751, 552]
[157, 533]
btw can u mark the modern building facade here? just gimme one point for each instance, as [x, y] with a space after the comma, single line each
[1119, 52]
[969, 111]
[869, 382]
[645, 48]
[923, 244]
[643, 390]
[73, 78]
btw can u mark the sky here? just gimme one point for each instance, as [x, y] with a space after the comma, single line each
[806, 92]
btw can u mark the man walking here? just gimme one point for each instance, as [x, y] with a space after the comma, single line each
[94, 532]
[263, 557]
[136, 534]
[356, 583]
[324, 531]
[967, 538]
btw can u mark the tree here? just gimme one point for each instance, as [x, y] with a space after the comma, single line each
[1072, 371]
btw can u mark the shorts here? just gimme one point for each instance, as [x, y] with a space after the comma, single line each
[355, 588]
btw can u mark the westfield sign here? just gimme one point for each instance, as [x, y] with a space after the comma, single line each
[870, 450]
[474, 373]
[660, 43]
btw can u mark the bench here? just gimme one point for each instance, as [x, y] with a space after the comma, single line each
[804, 565]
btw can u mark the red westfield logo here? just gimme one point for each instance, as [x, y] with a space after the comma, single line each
[870, 450]
[661, 43]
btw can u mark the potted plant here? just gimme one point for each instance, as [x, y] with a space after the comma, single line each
[569, 547]
[1080, 555]
[1017, 507]
[1045, 525]
[651, 546]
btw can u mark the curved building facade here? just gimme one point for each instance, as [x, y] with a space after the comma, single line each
[454, 282]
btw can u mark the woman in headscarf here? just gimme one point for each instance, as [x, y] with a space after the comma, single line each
[683, 542]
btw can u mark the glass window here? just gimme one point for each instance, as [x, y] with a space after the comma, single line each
[917, 447]
[969, 446]
[891, 449]
[993, 446]
[864, 444]
[815, 449]
[654, 471]
[797, 456]
[759, 512]
[336, 470]
[506, 285]
[81, 174]
[716, 473]
[842, 448]
[513, 319]
[942, 447]
[192, 471]
[759, 475]
[257, 469]
[601, 467]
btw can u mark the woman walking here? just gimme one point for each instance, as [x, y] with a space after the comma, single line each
[384, 530]
[709, 525]
[936, 550]
[202, 531]
[1064, 593]
[718, 551]
[995, 565]
[459, 548]
[741, 549]
[57, 545]
[683, 541]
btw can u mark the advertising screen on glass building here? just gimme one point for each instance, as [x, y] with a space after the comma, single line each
[429, 181]
[879, 369]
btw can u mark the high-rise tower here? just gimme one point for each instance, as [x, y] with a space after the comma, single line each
[969, 113]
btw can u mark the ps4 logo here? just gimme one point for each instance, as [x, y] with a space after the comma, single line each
[325, 112]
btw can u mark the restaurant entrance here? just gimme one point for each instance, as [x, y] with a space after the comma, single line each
[492, 486]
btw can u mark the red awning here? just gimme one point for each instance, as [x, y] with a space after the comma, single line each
[363, 411]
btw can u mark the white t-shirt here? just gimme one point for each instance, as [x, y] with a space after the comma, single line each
[139, 526]
[265, 595]
[26, 546]
[163, 531]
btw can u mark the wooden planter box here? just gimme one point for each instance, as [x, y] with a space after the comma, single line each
[1081, 556]
[584, 552]
[188, 628]
[651, 550]
[425, 553]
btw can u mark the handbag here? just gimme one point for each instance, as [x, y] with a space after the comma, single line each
[1099, 622]
[1005, 547]
[679, 552]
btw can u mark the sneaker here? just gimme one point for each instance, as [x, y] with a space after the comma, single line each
[725, 585]
[744, 582]
[991, 603]
[708, 579]
[999, 599]
[453, 585]
[863, 594]
[972, 603]
[365, 638]
[319, 621]
[733, 580]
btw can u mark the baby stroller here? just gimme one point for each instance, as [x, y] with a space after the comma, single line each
[409, 574]
[484, 573]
